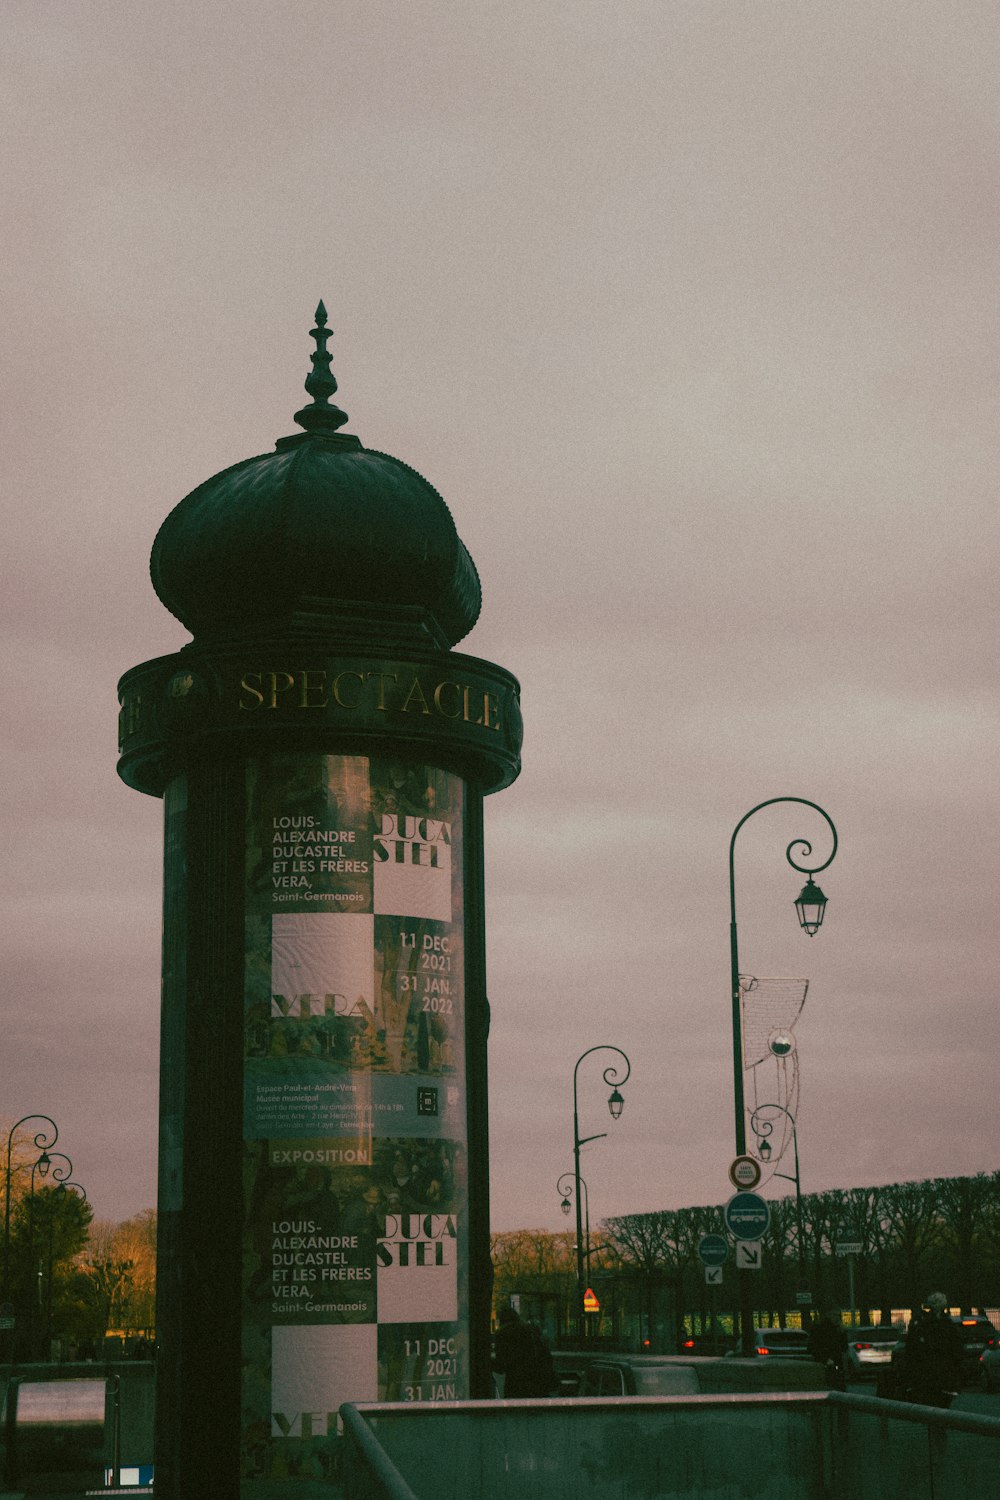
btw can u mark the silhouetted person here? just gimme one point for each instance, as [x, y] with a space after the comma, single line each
[522, 1357]
[827, 1343]
[932, 1359]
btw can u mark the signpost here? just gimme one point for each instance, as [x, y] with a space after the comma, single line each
[747, 1217]
[712, 1251]
[848, 1242]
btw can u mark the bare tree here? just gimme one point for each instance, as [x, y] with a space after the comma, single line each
[965, 1206]
[641, 1244]
[912, 1219]
[538, 1264]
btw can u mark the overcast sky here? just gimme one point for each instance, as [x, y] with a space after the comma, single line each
[689, 310]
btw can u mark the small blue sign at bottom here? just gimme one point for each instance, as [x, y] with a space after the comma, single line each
[712, 1249]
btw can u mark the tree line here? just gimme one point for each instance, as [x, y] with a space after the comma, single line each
[68, 1280]
[940, 1233]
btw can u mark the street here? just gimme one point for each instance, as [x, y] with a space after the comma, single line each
[976, 1400]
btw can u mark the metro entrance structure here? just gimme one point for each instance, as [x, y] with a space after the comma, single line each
[322, 753]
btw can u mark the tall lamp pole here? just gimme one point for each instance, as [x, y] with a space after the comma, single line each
[762, 1127]
[810, 906]
[615, 1105]
[62, 1171]
[42, 1144]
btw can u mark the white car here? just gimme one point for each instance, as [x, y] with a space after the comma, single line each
[869, 1349]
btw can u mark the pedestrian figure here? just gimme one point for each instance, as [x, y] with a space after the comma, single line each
[522, 1356]
[827, 1343]
[932, 1357]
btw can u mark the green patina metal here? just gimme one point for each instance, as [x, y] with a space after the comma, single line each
[287, 694]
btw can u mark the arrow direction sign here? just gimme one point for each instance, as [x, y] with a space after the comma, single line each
[713, 1275]
[748, 1255]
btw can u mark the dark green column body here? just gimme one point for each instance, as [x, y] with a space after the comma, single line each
[282, 723]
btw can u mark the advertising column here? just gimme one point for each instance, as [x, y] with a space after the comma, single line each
[355, 1238]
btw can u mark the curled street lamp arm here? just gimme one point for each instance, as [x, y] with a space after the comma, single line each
[803, 844]
[611, 1078]
[60, 1165]
[611, 1072]
[763, 1127]
[565, 1184]
[42, 1142]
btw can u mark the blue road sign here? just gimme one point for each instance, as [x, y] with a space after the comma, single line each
[747, 1216]
[713, 1249]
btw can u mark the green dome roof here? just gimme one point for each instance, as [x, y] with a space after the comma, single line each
[320, 531]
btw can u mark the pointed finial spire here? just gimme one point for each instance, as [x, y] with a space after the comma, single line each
[319, 416]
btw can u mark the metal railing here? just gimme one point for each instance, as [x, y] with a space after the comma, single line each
[808, 1445]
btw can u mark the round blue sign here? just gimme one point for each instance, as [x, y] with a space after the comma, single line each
[747, 1216]
[713, 1249]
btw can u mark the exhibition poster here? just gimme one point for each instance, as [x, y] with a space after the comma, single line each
[355, 1241]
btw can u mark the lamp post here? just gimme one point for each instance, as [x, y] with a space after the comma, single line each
[42, 1143]
[615, 1105]
[762, 1128]
[565, 1185]
[810, 906]
[58, 1197]
[62, 1170]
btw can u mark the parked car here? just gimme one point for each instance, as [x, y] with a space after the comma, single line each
[604, 1374]
[989, 1366]
[977, 1333]
[786, 1343]
[585, 1374]
[869, 1348]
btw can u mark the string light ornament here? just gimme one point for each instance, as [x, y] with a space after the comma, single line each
[770, 1009]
